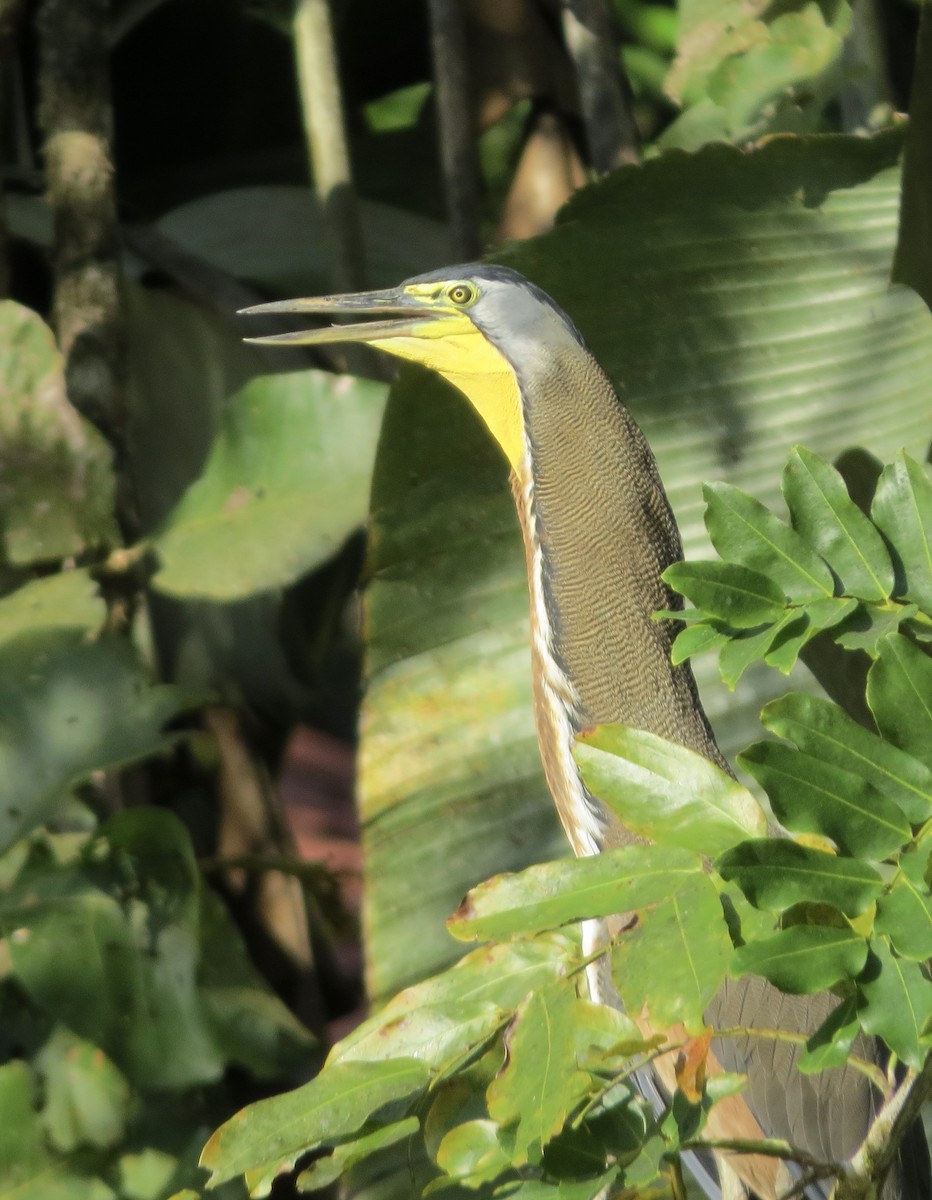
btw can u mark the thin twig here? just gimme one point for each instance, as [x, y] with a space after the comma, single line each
[76, 119]
[325, 127]
[604, 91]
[459, 153]
[869, 1167]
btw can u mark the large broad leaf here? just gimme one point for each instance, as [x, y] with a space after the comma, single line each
[273, 1133]
[112, 948]
[665, 792]
[277, 236]
[286, 482]
[451, 791]
[68, 705]
[29, 1170]
[558, 893]
[56, 474]
[541, 1083]
[674, 960]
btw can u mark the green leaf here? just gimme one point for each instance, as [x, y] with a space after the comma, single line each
[743, 531]
[557, 893]
[111, 951]
[68, 600]
[273, 1133]
[749, 647]
[28, 1169]
[899, 692]
[897, 1003]
[775, 874]
[694, 639]
[248, 1022]
[740, 597]
[86, 1097]
[56, 473]
[666, 793]
[438, 1019]
[904, 914]
[864, 628]
[793, 637]
[803, 959]
[285, 484]
[541, 1084]
[473, 1154]
[563, 1189]
[831, 1043]
[825, 515]
[673, 961]
[823, 730]
[809, 795]
[68, 707]
[334, 1166]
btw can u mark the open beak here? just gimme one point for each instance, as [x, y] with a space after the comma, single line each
[407, 318]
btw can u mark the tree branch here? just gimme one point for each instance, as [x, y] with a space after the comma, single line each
[325, 127]
[76, 119]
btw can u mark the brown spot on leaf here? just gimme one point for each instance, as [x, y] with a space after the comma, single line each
[237, 499]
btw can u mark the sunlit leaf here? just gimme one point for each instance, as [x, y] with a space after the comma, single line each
[809, 795]
[744, 531]
[86, 1097]
[694, 639]
[750, 646]
[335, 1104]
[56, 473]
[736, 595]
[829, 520]
[795, 635]
[775, 873]
[665, 792]
[286, 482]
[675, 958]
[29, 1170]
[825, 731]
[473, 1154]
[905, 913]
[541, 1083]
[804, 958]
[899, 692]
[897, 1003]
[554, 894]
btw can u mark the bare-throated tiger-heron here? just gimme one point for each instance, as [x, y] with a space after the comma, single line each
[598, 533]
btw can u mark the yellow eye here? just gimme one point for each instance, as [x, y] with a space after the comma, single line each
[461, 293]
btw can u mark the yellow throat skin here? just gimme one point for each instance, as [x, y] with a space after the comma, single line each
[598, 533]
